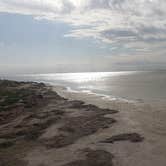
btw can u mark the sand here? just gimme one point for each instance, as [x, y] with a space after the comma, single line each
[144, 117]
[80, 129]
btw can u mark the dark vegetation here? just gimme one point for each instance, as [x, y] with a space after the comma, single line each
[14, 93]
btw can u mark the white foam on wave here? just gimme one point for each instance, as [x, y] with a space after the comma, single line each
[103, 96]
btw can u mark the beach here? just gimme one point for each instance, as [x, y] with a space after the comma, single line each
[50, 126]
[145, 118]
[83, 83]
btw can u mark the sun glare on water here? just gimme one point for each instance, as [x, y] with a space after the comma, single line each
[81, 77]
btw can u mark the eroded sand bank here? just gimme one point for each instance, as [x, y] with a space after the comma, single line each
[45, 129]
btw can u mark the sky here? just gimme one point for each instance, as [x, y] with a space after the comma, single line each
[40, 36]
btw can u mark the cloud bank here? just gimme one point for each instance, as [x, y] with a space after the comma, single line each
[132, 26]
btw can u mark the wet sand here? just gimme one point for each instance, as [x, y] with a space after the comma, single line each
[146, 118]
[76, 129]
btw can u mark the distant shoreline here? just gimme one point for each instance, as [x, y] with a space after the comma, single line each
[132, 86]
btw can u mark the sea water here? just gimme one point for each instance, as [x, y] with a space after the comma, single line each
[132, 85]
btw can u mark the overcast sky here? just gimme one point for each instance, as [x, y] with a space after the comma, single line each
[82, 35]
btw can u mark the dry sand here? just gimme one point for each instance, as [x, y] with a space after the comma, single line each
[64, 131]
[146, 118]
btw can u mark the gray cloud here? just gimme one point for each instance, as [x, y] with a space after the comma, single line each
[137, 25]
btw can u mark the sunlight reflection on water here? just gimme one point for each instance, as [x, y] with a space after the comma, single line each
[80, 77]
[128, 84]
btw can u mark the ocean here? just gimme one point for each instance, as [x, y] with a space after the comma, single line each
[130, 85]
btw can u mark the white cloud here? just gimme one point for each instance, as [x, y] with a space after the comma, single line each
[138, 25]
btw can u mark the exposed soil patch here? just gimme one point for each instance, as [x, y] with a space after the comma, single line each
[76, 104]
[94, 158]
[78, 127]
[132, 137]
[13, 155]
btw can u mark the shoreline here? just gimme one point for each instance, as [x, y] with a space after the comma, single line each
[70, 129]
[103, 96]
[134, 94]
[145, 117]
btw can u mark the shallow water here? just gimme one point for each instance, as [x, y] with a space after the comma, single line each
[133, 85]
